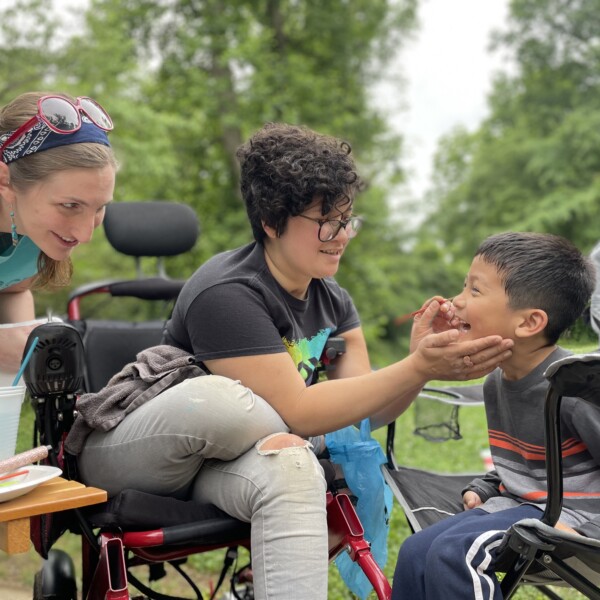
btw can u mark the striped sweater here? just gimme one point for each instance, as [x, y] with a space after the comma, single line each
[515, 415]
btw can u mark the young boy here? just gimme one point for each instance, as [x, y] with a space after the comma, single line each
[528, 287]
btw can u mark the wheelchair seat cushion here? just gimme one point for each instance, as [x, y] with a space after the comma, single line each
[137, 511]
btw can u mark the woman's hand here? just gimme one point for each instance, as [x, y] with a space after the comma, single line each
[12, 345]
[16, 306]
[471, 500]
[442, 356]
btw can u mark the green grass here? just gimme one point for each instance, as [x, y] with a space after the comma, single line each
[412, 450]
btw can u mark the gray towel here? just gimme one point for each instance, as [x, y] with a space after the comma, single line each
[154, 370]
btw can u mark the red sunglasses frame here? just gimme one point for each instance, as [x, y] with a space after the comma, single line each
[39, 116]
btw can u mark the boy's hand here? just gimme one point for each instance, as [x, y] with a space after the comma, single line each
[433, 317]
[471, 500]
[564, 527]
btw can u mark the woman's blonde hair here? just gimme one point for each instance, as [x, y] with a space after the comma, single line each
[34, 168]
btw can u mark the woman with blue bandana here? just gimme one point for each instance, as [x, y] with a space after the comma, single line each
[57, 174]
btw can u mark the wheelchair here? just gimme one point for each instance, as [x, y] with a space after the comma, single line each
[136, 529]
[533, 552]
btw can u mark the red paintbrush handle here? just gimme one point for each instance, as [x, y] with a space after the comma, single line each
[15, 474]
[403, 318]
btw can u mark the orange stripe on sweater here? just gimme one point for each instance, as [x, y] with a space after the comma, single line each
[540, 455]
[541, 495]
[569, 447]
[501, 436]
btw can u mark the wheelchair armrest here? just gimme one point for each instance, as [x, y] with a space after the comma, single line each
[148, 288]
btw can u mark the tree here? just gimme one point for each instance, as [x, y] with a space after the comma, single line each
[28, 55]
[534, 163]
[186, 81]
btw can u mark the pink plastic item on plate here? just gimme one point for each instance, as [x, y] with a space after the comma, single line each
[24, 458]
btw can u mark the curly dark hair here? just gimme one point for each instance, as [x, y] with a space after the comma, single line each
[285, 168]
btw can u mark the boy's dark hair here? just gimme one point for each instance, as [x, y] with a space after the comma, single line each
[545, 271]
[284, 168]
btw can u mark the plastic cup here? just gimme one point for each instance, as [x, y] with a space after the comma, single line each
[11, 399]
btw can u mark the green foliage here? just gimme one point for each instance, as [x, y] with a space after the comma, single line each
[187, 82]
[27, 57]
[534, 163]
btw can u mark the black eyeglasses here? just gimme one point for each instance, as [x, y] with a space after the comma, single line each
[329, 228]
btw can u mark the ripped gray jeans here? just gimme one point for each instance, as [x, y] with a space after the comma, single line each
[212, 439]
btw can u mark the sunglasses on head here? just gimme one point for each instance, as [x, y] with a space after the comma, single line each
[63, 116]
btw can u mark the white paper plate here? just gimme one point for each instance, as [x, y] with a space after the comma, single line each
[19, 486]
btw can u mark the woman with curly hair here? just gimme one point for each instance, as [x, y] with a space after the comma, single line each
[245, 436]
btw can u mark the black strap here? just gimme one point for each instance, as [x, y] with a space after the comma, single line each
[341, 485]
[235, 579]
[230, 557]
[179, 569]
[152, 594]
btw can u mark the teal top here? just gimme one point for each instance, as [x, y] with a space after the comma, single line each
[17, 262]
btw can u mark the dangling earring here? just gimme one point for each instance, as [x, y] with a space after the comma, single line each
[13, 228]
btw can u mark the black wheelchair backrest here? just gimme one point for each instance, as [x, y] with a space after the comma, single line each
[141, 229]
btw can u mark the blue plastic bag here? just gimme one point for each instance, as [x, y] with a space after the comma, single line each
[361, 458]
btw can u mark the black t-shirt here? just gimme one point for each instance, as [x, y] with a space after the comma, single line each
[232, 306]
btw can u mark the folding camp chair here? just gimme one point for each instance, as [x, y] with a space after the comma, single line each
[534, 551]
[564, 558]
[438, 421]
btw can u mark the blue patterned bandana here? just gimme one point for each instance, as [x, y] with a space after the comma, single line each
[40, 137]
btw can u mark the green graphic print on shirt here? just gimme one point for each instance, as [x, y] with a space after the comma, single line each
[306, 353]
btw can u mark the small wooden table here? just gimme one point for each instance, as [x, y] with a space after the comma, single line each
[51, 496]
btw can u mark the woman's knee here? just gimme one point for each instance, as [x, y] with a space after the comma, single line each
[278, 441]
[289, 465]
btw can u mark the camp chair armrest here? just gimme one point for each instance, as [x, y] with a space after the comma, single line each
[574, 376]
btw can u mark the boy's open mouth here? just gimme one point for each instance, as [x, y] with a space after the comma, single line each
[461, 325]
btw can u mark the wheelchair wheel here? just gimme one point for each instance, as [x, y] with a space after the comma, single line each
[56, 579]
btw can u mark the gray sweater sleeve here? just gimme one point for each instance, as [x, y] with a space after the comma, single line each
[485, 487]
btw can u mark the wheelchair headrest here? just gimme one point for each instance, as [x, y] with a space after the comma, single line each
[151, 228]
[57, 365]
